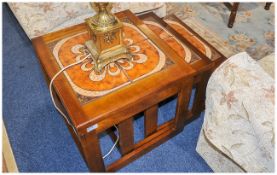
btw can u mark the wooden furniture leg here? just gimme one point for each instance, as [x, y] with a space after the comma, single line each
[233, 14]
[199, 99]
[92, 152]
[126, 136]
[182, 106]
[267, 5]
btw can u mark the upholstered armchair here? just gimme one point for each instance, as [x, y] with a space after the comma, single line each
[238, 130]
[40, 18]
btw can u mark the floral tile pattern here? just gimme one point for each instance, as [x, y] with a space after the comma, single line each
[89, 84]
[253, 30]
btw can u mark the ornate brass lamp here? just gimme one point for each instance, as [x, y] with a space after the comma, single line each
[106, 33]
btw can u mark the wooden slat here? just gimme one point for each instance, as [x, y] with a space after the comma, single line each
[137, 106]
[182, 105]
[148, 144]
[113, 136]
[161, 129]
[92, 152]
[150, 120]
[111, 133]
[126, 136]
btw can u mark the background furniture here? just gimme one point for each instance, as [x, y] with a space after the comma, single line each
[238, 130]
[234, 8]
[38, 19]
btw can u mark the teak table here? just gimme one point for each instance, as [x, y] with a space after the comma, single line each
[168, 59]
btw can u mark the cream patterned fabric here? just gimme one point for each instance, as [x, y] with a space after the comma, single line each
[40, 18]
[238, 129]
[267, 63]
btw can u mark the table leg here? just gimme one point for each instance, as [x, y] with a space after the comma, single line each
[182, 105]
[199, 99]
[92, 152]
[126, 136]
[267, 5]
[233, 14]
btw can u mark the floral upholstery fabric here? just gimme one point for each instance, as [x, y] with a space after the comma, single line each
[40, 18]
[238, 129]
[267, 63]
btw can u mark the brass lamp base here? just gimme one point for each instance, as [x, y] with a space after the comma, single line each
[104, 58]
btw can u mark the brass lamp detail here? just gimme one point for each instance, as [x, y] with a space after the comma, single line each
[106, 33]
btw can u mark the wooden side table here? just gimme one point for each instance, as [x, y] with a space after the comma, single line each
[94, 103]
[169, 59]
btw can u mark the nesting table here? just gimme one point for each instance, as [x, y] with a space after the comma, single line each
[169, 59]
